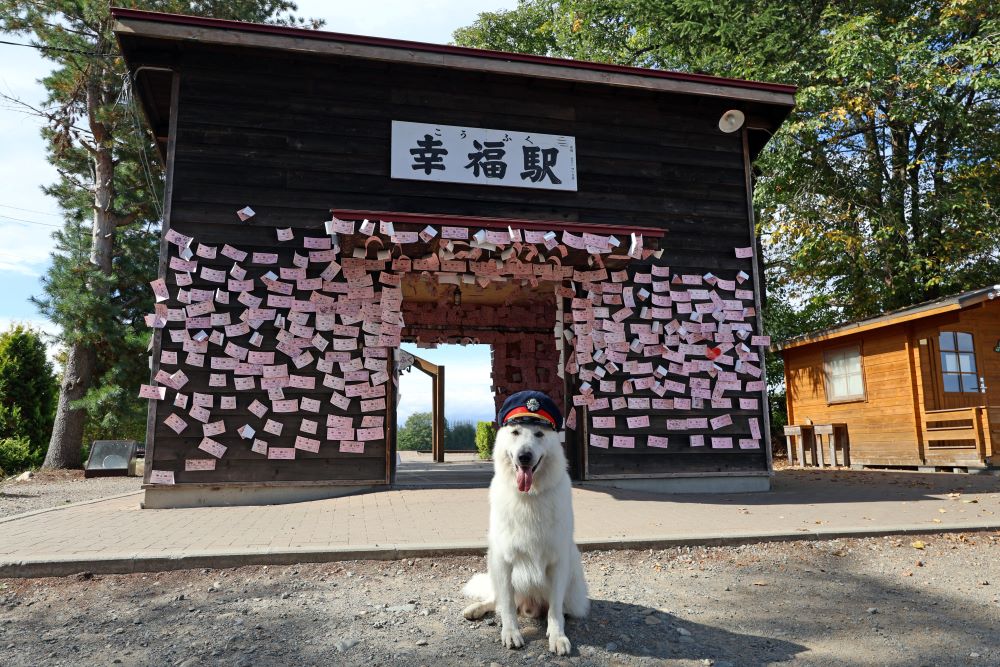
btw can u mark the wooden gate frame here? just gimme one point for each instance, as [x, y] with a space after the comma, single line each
[437, 405]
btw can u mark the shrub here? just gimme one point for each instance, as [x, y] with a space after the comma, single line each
[486, 435]
[27, 390]
[15, 455]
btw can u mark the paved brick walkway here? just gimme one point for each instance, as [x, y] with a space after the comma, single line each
[115, 535]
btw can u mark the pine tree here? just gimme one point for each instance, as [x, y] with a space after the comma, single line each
[27, 389]
[110, 191]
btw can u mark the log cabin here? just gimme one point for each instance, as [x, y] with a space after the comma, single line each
[329, 196]
[917, 387]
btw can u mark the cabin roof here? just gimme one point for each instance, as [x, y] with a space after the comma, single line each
[915, 312]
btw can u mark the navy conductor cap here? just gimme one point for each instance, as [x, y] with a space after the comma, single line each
[530, 406]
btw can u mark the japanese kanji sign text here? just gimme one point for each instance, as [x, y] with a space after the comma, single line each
[453, 154]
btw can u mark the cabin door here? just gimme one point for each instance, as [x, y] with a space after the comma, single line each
[954, 371]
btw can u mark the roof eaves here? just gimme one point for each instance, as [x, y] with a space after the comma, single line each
[925, 309]
[773, 93]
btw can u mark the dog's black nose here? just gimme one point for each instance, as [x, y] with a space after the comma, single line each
[524, 458]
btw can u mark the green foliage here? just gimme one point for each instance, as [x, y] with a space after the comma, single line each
[416, 433]
[460, 436]
[15, 455]
[486, 435]
[882, 187]
[27, 390]
[97, 287]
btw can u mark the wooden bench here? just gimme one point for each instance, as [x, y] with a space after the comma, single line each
[804, 439]
[835, 433]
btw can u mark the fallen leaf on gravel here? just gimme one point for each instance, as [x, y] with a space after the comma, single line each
[969, 500]
[936, 520]
[943, 511]
[917, 544]
[954, 495]
[760, 583]
[907, 574]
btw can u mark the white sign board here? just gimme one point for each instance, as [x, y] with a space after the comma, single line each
[452, 154]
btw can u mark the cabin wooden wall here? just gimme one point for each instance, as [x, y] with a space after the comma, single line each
[882, 426]
[295, 136]
[887, 427]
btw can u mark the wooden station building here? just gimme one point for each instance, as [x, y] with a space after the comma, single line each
[330, 196]
[917, 387]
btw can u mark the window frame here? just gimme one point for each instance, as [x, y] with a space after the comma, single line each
[958, 373]
[853, 398]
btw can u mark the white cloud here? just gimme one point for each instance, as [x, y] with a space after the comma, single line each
[466, 388]
[25, 248]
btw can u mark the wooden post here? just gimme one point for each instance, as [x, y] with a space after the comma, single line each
[438, 447]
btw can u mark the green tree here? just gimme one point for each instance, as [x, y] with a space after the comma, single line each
[460, 436]
[881, 189]
[109, 189]
[416, 433]
[27, 390]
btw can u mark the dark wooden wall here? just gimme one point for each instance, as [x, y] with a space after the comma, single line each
[295, 136]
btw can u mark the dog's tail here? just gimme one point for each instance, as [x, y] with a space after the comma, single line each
[479, 587]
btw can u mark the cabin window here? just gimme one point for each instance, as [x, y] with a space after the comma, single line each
[844, 377]
[958, 362]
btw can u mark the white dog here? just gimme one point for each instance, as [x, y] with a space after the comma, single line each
[532, 560]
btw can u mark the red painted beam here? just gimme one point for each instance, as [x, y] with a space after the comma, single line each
[496, 223]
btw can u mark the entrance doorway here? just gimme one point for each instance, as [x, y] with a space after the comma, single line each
[438, 412]
[492, 341]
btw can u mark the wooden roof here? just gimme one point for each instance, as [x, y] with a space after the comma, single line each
[908, 314]
[141, 34]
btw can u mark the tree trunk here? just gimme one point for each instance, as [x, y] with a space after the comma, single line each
[67, 431]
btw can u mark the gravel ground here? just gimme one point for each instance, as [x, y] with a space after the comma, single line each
[52, 488]
[927, 600]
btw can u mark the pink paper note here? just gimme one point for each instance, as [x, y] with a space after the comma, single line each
[657, 441]
[214, 428]
[151, 392]
[306, 444]
[623, 442]
[281, 453]
[352, 447]
[744, 253]
[720, 421]
[216, 449]
[161, 477]
[599, 441]
[193, 465]
[258, 408]
[287, 405]
[603, 421]
[175, 423]
[641, 421]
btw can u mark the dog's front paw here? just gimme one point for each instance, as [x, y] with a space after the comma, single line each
[559, 644]
[511, 637]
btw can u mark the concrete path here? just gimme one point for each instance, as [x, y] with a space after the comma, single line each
[115, 535]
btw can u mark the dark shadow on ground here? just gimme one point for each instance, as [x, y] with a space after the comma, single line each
[829, 486]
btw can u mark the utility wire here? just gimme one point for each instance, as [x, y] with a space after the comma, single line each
[30, 210]
[92, 54]
[29, 222]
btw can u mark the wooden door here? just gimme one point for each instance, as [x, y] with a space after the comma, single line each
[955, 372]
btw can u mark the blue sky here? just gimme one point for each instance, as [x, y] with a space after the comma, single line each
[467, 395]
[27, 215]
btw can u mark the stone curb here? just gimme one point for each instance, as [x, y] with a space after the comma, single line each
[129, 563]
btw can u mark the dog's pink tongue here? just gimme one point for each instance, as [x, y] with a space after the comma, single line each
[524, 479]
